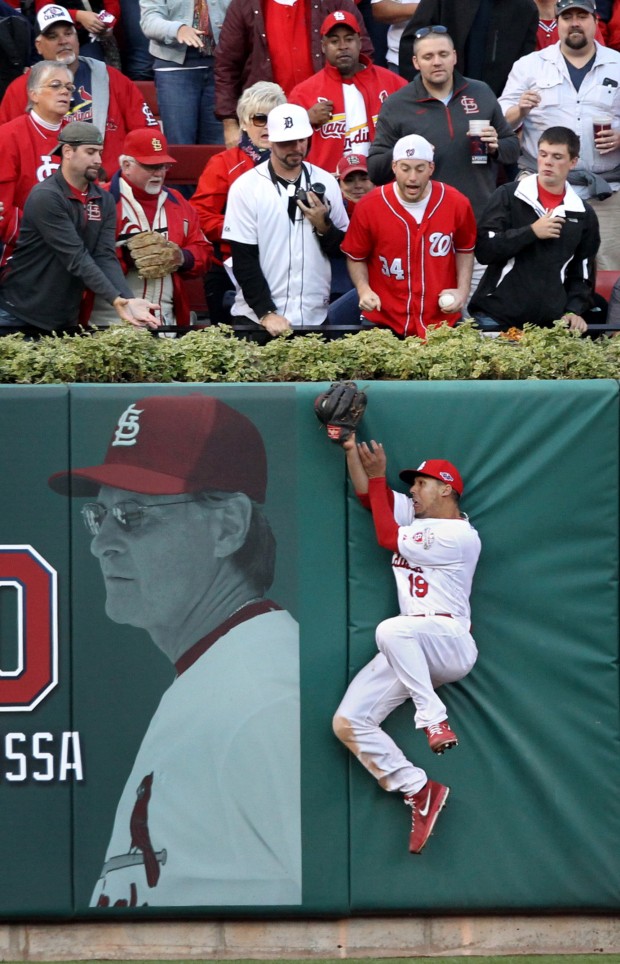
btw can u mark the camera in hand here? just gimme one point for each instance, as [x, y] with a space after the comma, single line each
[317, 188]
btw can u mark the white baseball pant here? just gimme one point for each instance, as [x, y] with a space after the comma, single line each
[416, 654]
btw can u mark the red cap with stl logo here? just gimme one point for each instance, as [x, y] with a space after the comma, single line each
[173, 444]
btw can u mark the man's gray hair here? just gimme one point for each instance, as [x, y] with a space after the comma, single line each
[260, 98]
[256, 558]
[38, 75]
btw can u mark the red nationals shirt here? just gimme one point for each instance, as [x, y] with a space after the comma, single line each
[410, 263]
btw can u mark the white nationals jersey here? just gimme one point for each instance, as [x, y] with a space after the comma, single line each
[211, 813]
[410, 264]
[435, 563]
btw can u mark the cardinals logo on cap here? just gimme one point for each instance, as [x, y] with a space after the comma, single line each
[128, 427]
[339, 15]
[156, 144]
[447, 477]
[52, 12]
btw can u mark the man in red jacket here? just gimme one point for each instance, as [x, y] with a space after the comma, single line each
[343, 100]
[103, 96]
[270, 40]
[145, 204]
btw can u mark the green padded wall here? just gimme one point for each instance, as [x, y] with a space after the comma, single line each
[35, 786]
[533, 820]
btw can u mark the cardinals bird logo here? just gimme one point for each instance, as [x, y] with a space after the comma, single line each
[139, 828]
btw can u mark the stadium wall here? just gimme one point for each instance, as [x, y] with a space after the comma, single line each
[533, 823]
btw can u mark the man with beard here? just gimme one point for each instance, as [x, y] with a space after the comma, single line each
[66, 245]
[574, 83]
[282, 233]
[146, 207]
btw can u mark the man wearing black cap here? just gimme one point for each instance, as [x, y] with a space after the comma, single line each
[574, 83]
[210, 814]
[435, 552]
[67, 245]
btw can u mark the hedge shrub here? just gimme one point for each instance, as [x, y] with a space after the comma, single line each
[123, 354]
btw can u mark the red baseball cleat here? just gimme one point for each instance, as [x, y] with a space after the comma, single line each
[425, 805]
[440, 736]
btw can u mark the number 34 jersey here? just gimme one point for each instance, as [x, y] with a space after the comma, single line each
[435, 563]
[409, 264]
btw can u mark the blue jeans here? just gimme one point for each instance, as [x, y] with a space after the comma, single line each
[345, 310]
[186, 99]
[9, 322]
[485, 322]
[137, 61]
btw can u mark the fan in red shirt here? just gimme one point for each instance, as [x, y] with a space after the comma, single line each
[410, 246]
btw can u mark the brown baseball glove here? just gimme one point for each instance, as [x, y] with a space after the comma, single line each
[154, 255]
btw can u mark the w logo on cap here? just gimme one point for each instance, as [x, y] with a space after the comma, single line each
[128, 427]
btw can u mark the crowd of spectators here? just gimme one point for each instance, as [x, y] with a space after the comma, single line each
[471, 160]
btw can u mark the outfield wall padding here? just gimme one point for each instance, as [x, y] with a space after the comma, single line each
[533, 820]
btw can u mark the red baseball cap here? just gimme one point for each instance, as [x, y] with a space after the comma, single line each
[340, 18]
[350, 163]
[147, 146]
[172, 444]
[436, 469]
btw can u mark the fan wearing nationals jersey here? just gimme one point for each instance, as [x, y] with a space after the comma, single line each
[211, 811]
[435, 552]
[410, 246]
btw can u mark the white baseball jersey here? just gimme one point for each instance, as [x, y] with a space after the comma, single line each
[211, 813]
[435, 563]
[296, 270]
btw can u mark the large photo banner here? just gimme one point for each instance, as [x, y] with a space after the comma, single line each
[189, 586]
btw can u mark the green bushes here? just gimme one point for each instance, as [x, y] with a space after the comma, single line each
[215, 355]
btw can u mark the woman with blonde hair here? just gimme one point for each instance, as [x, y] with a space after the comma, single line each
[220, 172]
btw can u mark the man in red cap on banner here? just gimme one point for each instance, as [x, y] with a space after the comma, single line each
[211, 812]
[343, 99]
[159, 240]
[435, 552]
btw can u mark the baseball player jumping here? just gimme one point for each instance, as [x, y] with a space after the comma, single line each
[435, 554]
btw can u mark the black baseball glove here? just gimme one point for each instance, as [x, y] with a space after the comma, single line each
[340, 409]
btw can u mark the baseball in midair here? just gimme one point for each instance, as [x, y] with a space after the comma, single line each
[446, 301]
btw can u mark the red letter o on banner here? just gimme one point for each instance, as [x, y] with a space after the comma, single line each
[22, 568]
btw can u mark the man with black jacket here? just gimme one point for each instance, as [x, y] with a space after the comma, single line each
[539, 239]
[66, 245]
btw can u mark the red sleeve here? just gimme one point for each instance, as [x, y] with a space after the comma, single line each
[15, 100]
[209, 199]
[386, 527]
[302, 95]
[357, 243]
[135, 112]
[465, 234]
[197, 245]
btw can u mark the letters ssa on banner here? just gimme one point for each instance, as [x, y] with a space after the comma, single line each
[29, 671]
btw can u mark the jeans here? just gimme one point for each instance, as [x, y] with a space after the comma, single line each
[186, 99]
[137, 61]
[486, 323]
[9, 322]
[345, 310]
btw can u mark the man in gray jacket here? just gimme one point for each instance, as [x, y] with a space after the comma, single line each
[438, 105]
[66, 245]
